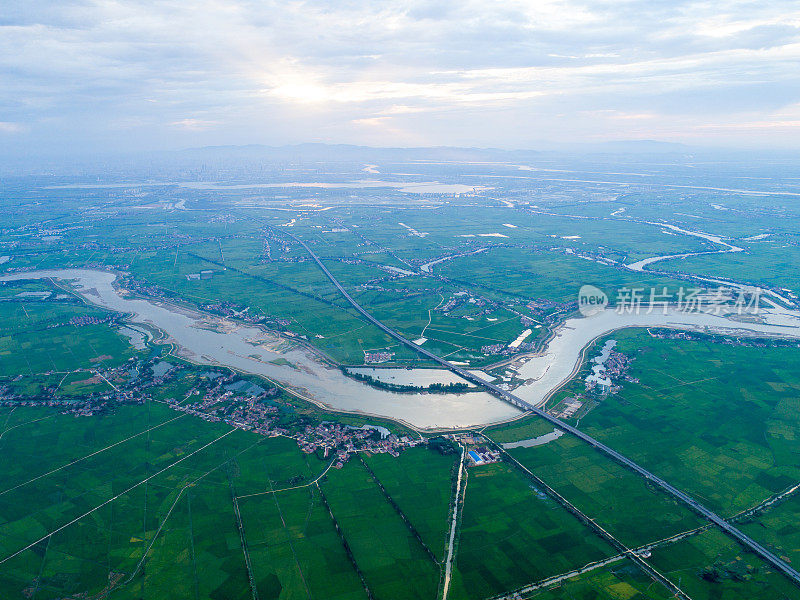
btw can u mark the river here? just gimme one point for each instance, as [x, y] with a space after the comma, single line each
[216, 341]
[558, 361]
[716, 239]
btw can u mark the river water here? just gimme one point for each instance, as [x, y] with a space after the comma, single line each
[557, 363]
[215, 341]
[716, 239]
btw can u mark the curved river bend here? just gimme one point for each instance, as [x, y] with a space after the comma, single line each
[212, 341]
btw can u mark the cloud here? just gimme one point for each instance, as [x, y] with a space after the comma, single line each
[371, 121]
[194, 124]
[478, 71]
[6, 127]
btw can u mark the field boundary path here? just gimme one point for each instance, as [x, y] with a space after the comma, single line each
[113, 498]
[601, 532]
[458, 505]
[510, 398]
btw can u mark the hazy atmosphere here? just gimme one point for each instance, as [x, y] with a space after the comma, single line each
[105, 75]
[399, 300]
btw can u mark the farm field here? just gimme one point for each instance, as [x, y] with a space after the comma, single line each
[133, 473]
[729, 440]
[545, 275]
[420, 481]
[777, 527]
[618, 581]
[780, 252]
[109, 500]
[294, 548]
[711, 566]
[513, 534]
[126, 493]
[392, 561]
[41, 337]
[625, 505]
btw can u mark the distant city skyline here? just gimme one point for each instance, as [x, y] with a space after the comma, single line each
[112, 76]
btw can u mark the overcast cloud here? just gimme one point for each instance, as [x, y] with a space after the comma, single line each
[169, 74]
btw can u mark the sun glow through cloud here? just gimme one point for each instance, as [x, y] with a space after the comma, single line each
[484, 73]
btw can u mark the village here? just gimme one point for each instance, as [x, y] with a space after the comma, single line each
[248, 406]
[219, 396]
[607, 369]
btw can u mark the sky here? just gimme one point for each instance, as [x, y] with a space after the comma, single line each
[151, 75]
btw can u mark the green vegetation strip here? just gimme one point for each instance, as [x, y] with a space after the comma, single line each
[345, 545]
[400, 513]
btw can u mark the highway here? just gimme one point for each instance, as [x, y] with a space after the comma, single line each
[732, 531]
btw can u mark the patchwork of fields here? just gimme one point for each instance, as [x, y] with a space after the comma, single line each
[143, 499]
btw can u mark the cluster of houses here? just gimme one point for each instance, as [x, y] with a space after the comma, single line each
[125, 390]
[81, 320]
[248, 406]
[610, 366]
[493, 348]
[617, 367]
[728, 340]
[460, 298]
[205, 274]
[541, 305]
[378, 357]
[345, 441]
[136, 286]
[81, 408]
[219, 396]
[243, 407]
[508, 349]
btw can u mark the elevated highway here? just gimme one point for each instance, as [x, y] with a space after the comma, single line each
[510, 398]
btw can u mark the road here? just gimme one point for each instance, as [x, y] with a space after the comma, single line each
[732, 531]
[451, 540]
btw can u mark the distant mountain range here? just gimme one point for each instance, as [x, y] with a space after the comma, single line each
[244, 160]
[348, 152]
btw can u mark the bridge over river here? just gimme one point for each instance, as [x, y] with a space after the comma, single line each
[711, 516]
